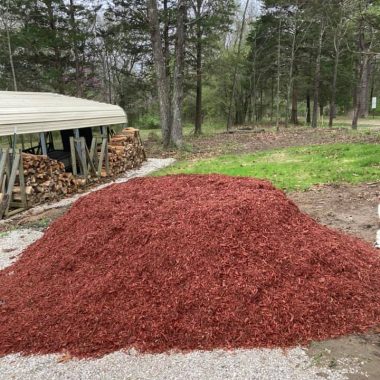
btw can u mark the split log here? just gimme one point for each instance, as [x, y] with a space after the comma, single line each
[125, 151]
[45, 179]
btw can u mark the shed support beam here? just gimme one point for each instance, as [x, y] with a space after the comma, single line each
[43, 143]
[104, 157]
[80, 151]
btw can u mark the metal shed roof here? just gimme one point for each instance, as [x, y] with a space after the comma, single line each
[32, 112]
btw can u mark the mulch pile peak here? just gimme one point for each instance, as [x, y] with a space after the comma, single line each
[182, 263]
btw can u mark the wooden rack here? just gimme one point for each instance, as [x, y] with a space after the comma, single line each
[87, 161]
[11, 170]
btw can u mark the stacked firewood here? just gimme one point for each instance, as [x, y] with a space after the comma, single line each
[46, 179]
[125, 151]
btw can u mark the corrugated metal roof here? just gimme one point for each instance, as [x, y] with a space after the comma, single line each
[32, 112]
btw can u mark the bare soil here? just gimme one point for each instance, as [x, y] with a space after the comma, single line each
[250, 141]
[349, 208]
[352, 209]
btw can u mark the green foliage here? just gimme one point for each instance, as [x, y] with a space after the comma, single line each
[148, 121]
[295, 168]
[103, 51]
[51, 45]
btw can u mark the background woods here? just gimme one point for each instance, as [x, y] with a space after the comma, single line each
[170, 63]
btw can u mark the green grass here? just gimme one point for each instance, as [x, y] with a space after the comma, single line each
[295, 168]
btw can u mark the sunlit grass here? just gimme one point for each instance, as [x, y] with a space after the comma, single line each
[295, 168]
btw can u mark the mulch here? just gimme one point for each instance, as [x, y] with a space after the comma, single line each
[183, 263]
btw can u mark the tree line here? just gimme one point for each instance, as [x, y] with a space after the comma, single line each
[169, 62]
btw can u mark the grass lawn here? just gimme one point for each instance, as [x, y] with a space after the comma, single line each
[295, 168]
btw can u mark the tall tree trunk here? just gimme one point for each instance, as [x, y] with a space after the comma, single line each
[362, 80]
[109, 78]
[290, 82]
[160, 69]
[272, 100]
[317, 78]
[176, 130]
[251, 119]
[308, 108]
[333, 89]
[73, 33]
[359, 91]
[373, 81]
[278, 78]
[364, 92]
[294, 113]
[198, 101]
[166, 39]
[57, 51]
[229, 120]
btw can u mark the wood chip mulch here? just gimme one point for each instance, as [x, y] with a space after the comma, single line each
[184, 263]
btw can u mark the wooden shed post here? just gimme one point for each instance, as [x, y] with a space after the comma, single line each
[80, 151]
[76, 133]
[43, 143]
[104, 157]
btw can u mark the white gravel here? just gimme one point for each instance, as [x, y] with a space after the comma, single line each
[12, 243]
[255, 364]
[216, 365]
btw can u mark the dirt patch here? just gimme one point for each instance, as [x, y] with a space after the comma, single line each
[365, 348]
[252, 141]
[349, 208]
[352, 209]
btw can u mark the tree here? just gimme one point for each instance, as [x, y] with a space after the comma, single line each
[176, 128]
[229, 120]
[191, 60]
[368, 17]
[160, 68]
[170, 111]
[209, 19]
[6, 21]
[339, 27]
[317, 75]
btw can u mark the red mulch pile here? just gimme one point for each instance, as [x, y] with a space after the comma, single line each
[186, 262]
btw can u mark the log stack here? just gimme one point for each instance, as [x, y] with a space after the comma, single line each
[125, 151]
[46, 179]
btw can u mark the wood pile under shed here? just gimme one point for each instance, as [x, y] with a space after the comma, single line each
[46, 179]
[125, 151]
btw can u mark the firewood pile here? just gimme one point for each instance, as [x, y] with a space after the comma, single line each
[46, 179]
[125, 151]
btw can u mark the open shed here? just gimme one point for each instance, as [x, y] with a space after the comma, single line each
[31, 124]
[36, 112]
